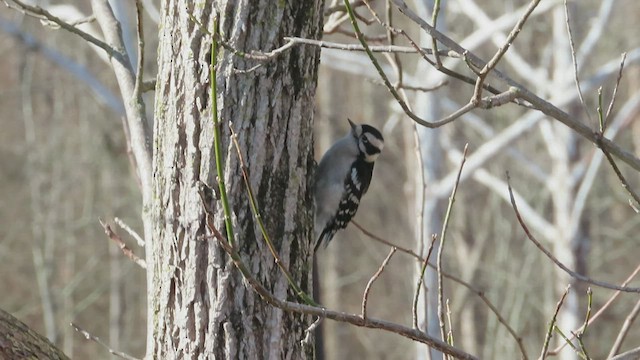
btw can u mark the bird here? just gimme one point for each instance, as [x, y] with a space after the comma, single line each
[342, 178]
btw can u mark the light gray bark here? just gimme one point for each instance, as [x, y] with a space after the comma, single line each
[201, 307]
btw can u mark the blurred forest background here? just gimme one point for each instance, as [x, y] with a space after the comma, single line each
[65, 165]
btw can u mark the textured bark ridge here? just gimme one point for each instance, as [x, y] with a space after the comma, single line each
[202, 307]
[17, 341]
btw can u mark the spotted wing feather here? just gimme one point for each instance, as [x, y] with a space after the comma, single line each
[356, 184]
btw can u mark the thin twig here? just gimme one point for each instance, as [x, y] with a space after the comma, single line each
[632, 354]
[434, 41]
[384, 77]
[624, 331]
[121, 244]
[400, 49]
[89, 336]
[580, 334]
[574, 61]
[411, 87]
[445, 226]
[333, 22]
[566, 339]
[423, 269]
[386, 242]
[40, 13]
[552, 324]
[588, 314]
[130, 231]
[450, 332]
[358, 47]
[367, 289]
[394, 60]
[603, 307]
[485, 103]
[310, 331]
[85, 20]
[420, 218]
[614, 96]
[391, 38]
[553, 258]
[623, 180]
[478, 292]
[447, 71]
[493, 62]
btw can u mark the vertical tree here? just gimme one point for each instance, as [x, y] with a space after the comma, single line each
[198, 301]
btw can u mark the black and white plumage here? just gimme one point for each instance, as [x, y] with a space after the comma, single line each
[343, 176]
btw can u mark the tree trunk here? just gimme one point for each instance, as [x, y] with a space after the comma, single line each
[201, 306]
[18, 341]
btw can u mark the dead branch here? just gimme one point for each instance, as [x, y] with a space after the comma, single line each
[91, 337]
[121, 244]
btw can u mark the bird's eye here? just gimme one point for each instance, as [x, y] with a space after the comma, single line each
[365, 140]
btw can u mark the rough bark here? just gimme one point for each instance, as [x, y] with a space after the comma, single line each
[201, 307]
[18, 341]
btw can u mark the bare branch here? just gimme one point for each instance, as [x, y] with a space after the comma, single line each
[632, 354]
[580, 334]
[626, 327]
[121, 244]
[424, 262]
[88, 336]
[603, 307]
[89, 19]
[623, 180]
[130, 231]
[310, 330]
[493, 62]
[367, 289]
[524, 94]
[478, 292]
[434, 21]
[358, 47]
[445, 226]
[556, 261]
[552, 324]
[615, 91]
[40, 13]
[574, 60]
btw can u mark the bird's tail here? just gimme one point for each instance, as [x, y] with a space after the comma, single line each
[324, 238]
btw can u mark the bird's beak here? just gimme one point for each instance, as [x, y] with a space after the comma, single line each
[353, 126]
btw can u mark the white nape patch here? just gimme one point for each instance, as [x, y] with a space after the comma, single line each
[371, 158]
